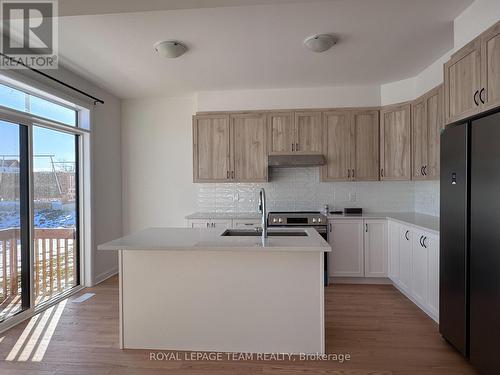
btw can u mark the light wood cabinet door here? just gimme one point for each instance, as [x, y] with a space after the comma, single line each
[427, 123]
[365, 162]
[308, 131]
[490, 69]
[338, 144]
[462, 82]
[346, 240]
[434, 123]
[375, 241]
[281, 132]
[211, 149]
[395, 136]
[419, 139]
[249, 147]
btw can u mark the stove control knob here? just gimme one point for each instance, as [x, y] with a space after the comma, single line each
[314, 220]
[280, 220]
[319, 220]
[275, 220]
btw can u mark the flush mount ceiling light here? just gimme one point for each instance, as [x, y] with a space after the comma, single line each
[320, 42]
[170, 48]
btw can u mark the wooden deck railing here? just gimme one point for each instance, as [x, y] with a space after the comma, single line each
[54, 262]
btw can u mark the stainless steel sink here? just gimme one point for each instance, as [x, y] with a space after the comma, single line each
[270, 233]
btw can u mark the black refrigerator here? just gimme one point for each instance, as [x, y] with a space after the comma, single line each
[469, 308]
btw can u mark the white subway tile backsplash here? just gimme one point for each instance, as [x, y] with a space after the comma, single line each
[427, 197]
[300, 189]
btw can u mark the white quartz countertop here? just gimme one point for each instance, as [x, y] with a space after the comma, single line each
[427, 222]
[223, 215]
[206, 239]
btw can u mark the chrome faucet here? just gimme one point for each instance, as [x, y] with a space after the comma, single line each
[263, 211]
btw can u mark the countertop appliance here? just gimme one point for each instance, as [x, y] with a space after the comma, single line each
[469, 305]
[313, 219]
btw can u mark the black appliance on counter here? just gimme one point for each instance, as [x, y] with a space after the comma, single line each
[313, 219]
[469, 313]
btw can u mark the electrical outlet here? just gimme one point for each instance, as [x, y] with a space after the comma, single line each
[352, 197]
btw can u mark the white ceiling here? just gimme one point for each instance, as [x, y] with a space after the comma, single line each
[257, 46]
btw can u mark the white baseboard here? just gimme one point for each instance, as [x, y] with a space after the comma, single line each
[360, 280]
[105, 275]
[431, 314]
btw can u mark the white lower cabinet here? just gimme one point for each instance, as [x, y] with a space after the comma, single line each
[359, 248]
[417, 254]
[432, 244]
[405, 245]
[375, 241]
[209, 223]
[393, 249]
[346, 240]
[419, 268]
[247, 223]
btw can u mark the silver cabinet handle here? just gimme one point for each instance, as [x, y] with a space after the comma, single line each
[352, 173]
[232, 175]
[330, 227]
[293, 146]
[296, 147]
[406, 235]
[227, 175]
[366, 228]
[348, 173]
[208, 224]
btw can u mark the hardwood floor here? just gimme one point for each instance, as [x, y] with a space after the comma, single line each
[382, 331]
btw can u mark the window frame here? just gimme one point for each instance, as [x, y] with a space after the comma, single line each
[39, 96]
[83, 196]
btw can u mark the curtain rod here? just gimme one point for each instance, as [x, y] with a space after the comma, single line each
[96, 100]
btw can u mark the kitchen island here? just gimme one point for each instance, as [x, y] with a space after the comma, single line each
[204, 290]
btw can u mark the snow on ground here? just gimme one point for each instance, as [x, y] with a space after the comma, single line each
[44, 218]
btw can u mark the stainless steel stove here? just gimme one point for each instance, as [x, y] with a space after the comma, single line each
[314, 219]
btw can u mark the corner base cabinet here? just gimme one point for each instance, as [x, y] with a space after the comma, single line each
[414, 265]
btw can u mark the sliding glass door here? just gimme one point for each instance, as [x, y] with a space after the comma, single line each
[44, 244]
[14, 220]
[55, 208]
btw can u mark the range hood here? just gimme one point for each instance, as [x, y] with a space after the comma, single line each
[296, 159]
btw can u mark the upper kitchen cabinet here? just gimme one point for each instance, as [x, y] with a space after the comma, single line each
[489, 94]
[337, 146]
[427, 122]
[365, 158]
[230, 148]
[395, 145]
[351, 145]
[281, 131]
[308, 131]
[211, 149]
[249, 147]
[462, 81]
[472, 77]
[294, 132]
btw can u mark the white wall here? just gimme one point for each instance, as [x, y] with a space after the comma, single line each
[106, 159]
[157, 162]
[157, 130]
[322, 97]
[474, 20]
